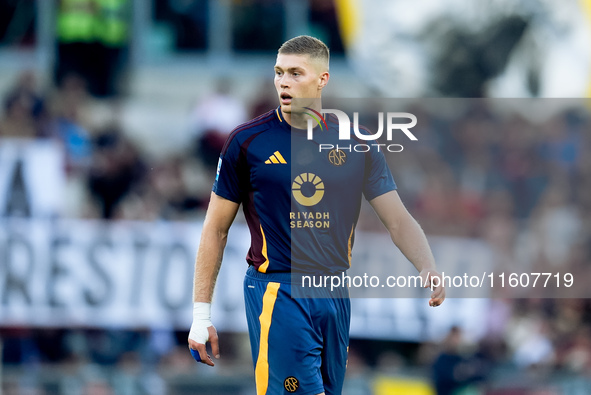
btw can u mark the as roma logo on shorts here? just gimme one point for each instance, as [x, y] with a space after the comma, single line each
[337, 157]
[291, 384]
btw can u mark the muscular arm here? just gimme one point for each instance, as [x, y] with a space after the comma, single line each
[219, 217]
[408, 236]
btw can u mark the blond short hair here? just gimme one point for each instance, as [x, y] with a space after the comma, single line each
[306, 45]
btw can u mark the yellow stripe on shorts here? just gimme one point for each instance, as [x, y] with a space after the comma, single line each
[261, 371]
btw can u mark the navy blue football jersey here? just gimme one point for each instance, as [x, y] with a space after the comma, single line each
[300, 198]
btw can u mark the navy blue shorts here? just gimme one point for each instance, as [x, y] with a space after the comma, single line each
[299, 345]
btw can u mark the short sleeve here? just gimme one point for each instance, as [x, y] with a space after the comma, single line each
[227, 182]
[377, 178]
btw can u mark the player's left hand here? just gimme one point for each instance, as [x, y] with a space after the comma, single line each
[438, 294]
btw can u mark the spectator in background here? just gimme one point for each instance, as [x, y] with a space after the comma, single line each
[112, 35]
[212, 120]
[24, 109]
[444, 208]
[529, 337]
[523, 172]
[454, 370]
[116, 168]
[67, 126]
[26, 89]
[358, 377]
[164, 193]
[264, 100]
[18, 121]
[75, 27]
[97, 387]
[499, 227]
[189, 18]
[256, 23]
[562, 143]
[576, 357]
[92, 40]
[323, 18]
[168, 181]
[555, 226]
[18, 347]
[131, 378]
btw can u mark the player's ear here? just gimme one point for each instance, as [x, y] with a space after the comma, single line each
[323, 79]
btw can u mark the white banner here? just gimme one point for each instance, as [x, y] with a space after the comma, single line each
[80, 273]
[32, 177]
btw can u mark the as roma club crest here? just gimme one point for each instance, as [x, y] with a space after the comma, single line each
[337, 157]
[291, 384]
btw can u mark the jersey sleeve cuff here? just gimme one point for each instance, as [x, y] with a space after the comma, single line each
[226, 195]
[380, 193]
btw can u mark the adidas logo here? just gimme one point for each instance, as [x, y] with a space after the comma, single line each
[275, 158]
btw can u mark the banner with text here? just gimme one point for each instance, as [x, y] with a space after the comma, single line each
[81, 273]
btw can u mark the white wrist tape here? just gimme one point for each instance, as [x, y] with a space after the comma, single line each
[201, 321]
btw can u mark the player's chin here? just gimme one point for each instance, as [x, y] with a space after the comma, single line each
[286, 108]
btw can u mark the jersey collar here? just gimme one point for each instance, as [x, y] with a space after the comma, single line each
[280, 116]
[283, 122]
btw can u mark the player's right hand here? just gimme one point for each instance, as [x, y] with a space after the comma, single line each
[199, 336]
[438, 289]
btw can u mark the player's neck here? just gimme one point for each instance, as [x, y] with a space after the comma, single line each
[296, 120]
[300, 119]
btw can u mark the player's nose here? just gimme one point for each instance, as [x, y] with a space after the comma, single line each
[283, 82]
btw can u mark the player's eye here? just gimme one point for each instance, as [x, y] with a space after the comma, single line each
[277, 73]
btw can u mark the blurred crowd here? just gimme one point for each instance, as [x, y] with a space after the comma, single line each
[113, 361]
[108, 176]
[518, 183]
